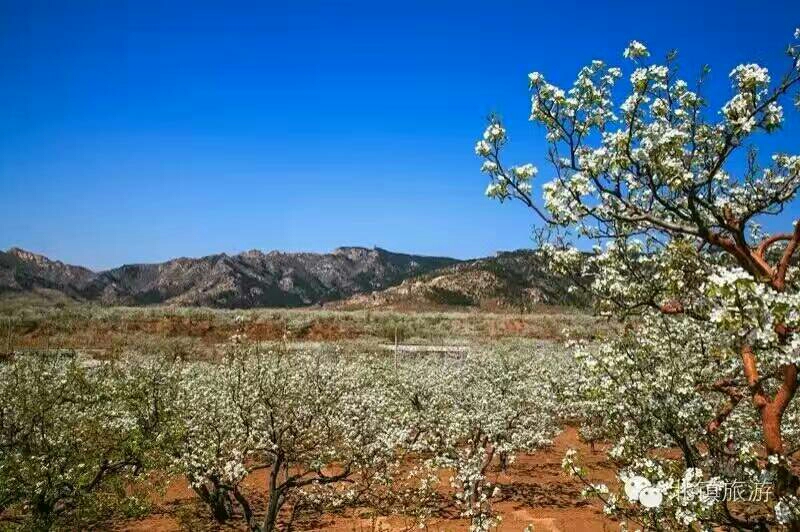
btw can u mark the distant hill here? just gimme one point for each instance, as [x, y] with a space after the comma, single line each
[516, 280]
[250, 279]
[347, 278]
[22, 270]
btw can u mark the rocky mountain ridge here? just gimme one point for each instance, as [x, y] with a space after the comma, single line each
[245, 280]
[513, 280]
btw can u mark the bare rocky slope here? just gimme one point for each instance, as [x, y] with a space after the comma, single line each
[515, 280]
[250, 279]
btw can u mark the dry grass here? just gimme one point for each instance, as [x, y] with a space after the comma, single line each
[201, 332]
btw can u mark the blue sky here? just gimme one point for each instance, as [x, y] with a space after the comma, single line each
[140, 131]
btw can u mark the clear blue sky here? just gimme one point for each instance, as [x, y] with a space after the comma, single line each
[139, 131]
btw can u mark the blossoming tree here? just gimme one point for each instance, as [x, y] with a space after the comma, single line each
[74, 434]
[315, 422]
[674, 195]
[470, 413]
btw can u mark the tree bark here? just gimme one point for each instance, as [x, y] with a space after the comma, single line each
[275, 496]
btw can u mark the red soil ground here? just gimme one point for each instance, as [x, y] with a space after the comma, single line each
[534, 491]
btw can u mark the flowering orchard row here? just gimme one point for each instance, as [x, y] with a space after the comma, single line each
[331, 430]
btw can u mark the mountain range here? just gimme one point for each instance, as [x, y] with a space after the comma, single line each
[348, 277]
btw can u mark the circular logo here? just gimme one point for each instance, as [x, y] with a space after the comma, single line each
[651, 497]
[634, 485]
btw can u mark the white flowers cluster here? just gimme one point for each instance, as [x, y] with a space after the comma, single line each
[482, 148]
[635, 50]
[526, 171]
[502, 184]
[494, 133]
[787, 509]
[750, 77]
[535, 79]
[661, 140]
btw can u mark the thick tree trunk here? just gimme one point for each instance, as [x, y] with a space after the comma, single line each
[252, 524]
[271, 519]
[771, 428]
[43, 514]
[275, 497]
[218, 500]
[771, 413]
